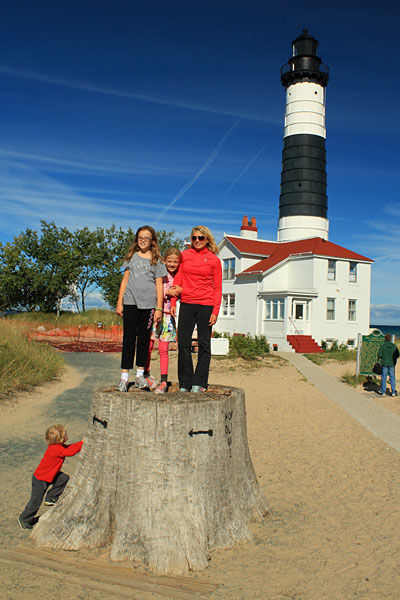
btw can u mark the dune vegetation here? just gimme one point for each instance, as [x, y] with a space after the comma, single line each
[24, 363]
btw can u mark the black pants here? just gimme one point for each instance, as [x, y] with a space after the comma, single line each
[189, 316]
[39, 489]
[137, 325]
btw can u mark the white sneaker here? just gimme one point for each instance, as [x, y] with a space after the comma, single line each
[142, 383]
[122, 386]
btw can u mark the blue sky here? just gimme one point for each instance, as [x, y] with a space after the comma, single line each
[171, 113]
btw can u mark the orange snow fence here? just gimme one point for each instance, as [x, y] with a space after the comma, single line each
[81, 338]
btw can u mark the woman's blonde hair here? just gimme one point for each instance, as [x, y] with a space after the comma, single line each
[211, 245]
[55, 434]
[173, 252]
[154, 249]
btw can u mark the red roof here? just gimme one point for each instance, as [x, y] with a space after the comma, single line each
[276, 252]
[246, 246]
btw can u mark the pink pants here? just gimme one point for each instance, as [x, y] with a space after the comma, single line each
[163, 351]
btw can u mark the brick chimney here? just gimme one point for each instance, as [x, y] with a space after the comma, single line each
[249, 229]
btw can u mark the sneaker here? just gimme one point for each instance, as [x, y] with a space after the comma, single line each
[152, 381]
[142, 383]
[24, 524]
[394, 394]
[162, 388]
[380, 393]
[182, 390]
[50, 502]
[196, 389]
[122, 386]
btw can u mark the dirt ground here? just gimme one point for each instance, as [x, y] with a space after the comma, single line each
[334, 489]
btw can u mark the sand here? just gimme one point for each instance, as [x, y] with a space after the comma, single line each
[334, 490]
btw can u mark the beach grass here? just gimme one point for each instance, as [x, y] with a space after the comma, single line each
[24, 363]
[68, 319]
[338, 356]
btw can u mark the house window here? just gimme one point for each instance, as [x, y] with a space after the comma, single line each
[228, 305]
[229, 268]
[351, 343]
[352, 310]
[353, 272]
[332, 270]
[275, 309]
[330, 309]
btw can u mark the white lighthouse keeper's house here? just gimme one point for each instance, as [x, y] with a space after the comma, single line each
[301, 289]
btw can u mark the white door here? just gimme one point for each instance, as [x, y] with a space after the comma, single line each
[300, 316]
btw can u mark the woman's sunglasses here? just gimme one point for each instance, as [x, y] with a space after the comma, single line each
[198, 237]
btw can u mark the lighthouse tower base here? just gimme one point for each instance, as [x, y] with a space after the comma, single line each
[302, 227]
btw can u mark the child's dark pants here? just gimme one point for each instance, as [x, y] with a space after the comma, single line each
[39, 489]
[138, 323]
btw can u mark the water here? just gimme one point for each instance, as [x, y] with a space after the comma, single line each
[393, 329]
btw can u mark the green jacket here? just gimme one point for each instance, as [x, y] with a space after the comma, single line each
[389, 354]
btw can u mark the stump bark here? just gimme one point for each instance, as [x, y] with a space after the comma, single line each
[163, 480]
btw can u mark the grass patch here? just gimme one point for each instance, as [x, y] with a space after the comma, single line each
[342, 356]
[315, 358]
[24, 363]
[352, 380]
[89, 317]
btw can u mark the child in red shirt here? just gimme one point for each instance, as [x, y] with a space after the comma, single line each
[49, 473]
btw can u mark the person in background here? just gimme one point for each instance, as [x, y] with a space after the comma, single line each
[388, 354]
[140, 303]
[49, 473]
[199, 279]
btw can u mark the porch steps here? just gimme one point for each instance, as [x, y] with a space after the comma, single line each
[304, 344]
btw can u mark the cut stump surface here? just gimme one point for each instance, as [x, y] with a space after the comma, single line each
[163, 480]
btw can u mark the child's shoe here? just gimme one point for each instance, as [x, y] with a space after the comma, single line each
[122, 386]
[50, 502]
[24, 524]
[152, 381]
[142, 383]
[162, 388]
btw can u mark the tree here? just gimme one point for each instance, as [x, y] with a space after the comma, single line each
[87, 258]
[38, 269]
[166, 240]
[20, 278]
[35, 270]
[113, 247]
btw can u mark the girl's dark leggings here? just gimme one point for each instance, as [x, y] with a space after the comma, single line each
[189, 316]
[137, 324]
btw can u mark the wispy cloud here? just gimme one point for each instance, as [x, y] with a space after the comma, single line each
[247, 167]
[206, 164]
[97, 89]
[100, 167]
[385, 313]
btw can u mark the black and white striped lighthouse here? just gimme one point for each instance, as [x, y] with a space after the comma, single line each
[303, 202]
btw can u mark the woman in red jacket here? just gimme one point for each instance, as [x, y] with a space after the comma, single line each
[200, 279]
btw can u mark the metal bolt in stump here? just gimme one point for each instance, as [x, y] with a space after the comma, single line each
[162, 480]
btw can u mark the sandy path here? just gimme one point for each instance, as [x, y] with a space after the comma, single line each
[334, 489]
[339, 369]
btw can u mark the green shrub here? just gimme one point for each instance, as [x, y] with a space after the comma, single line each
[248, 347]
[24, 363]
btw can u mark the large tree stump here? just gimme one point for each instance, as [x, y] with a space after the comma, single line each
[163, 479]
